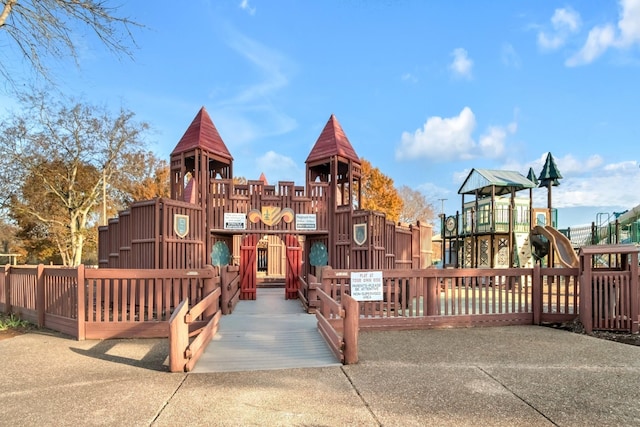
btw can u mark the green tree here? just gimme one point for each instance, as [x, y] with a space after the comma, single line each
[55, 159]
[41, 29]
[378, 192]
[415, 207]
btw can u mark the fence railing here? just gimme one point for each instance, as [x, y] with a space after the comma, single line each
[463, 297]
[338, 325]
[101, 303]
[184, 354]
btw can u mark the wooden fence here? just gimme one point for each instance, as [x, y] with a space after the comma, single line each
[145, 237]
[110, 303]
[429, 298]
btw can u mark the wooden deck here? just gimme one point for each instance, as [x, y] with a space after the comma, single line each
[254, 338]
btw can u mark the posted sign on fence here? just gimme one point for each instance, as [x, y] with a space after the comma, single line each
[366, 285]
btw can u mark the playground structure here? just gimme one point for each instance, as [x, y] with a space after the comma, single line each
[167, 263]
[495, 227]
[499, 229]
[210, 219]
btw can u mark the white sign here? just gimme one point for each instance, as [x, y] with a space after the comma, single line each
[366, 285]
[235, 221]
[306, 222]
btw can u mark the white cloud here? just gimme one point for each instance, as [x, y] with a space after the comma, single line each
[440, 138]
[461, 65]
[564, 23]
[451, 139]
[604, 37]
[598, 41]
[409, 77]
[492, 143]
[509, 56]
[628, 166]
[277, 167]
[589, 182]
[629, 23]
[244, 5]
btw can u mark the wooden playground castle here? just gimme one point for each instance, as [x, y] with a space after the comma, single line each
[212, 220]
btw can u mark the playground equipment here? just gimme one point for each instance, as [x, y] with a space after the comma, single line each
[494, 227]
[212, 220]
[498, 229]
[567, 256]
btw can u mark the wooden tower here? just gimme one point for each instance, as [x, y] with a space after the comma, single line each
[334, 161]
[200, 156]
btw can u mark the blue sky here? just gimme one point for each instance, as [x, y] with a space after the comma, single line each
[424, 90]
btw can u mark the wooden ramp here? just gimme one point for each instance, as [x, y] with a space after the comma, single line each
[253, 338]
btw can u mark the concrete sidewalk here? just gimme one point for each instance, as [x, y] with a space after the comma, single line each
[507, 376]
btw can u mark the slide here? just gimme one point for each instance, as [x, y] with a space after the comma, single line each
[566, 255]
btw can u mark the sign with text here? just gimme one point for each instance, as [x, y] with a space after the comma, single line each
[306, 222]
[366, 285]
[235, 221]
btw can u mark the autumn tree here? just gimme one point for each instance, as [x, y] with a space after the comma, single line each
[39, 30]
[141, 176]
[415, 207]
[54, 160]
[378, 192]
[10, 242]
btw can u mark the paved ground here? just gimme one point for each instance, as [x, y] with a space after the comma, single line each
[510, 376]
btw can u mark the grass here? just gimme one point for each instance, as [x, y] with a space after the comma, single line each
[11, 321]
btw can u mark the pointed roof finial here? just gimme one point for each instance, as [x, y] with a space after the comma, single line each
[531, 176]
[263, 178]
[550, 173]
[202, 133]
[332, 142]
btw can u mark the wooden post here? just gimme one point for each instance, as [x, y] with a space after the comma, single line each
[82, 305]
[586, 293]
[7, 289]
[210, 286]
[635, 298]
[536, 294]
[224, 290]
[40, 297]
[432, 296]
[350, 330]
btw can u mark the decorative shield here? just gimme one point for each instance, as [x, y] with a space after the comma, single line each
[181, 225]
[270, 215]
[359, 233]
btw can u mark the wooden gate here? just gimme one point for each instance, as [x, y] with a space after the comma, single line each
[294, 263]
[248, 255]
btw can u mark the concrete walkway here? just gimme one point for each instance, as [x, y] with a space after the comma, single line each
[504, 376]
[268, 333]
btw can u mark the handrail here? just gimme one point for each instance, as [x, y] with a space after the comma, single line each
[182, 354]
[338, 325]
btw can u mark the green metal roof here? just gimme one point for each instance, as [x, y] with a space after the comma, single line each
[481, 181]
[532, 176]
[550, 172]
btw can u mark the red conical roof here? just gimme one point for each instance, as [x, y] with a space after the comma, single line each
[202, 133]
[263, 178]
[332, 142]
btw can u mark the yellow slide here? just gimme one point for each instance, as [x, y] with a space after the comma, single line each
[558, 241]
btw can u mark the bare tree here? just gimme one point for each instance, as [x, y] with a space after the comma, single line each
[415, 207]
[49, 28]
